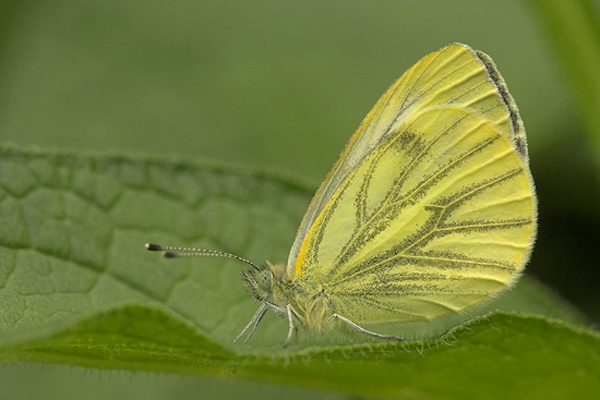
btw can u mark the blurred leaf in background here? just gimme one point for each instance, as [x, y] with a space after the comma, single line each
[282, 85]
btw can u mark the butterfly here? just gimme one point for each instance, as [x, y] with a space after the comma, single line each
[430, 208]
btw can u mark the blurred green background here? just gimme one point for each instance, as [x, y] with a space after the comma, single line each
[280, 85]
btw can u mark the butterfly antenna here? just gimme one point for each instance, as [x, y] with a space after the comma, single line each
[178, 252]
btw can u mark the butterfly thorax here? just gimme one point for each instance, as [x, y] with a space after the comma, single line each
[308, 300]
[310, 303]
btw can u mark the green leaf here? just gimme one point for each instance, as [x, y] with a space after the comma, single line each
[78, 288]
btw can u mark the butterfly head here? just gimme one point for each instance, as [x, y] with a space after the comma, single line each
[259, 283]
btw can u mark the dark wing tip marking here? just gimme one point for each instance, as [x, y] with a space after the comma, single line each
[515, 120]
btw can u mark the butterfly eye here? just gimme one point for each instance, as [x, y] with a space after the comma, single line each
[264, 280]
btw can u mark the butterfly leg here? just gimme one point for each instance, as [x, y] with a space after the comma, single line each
[256, 318]
[291, 323]
[365, 331]
[260, 317]
[285, 312]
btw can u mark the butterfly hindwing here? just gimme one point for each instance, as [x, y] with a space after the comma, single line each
[430, 207]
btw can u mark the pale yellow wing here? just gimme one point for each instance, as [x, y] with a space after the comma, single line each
[455, 74]
[431, 206]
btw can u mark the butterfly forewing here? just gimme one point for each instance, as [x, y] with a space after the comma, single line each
[455, 75]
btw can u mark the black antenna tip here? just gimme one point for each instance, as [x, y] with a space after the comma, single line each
[152, 247]
[169, 254]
